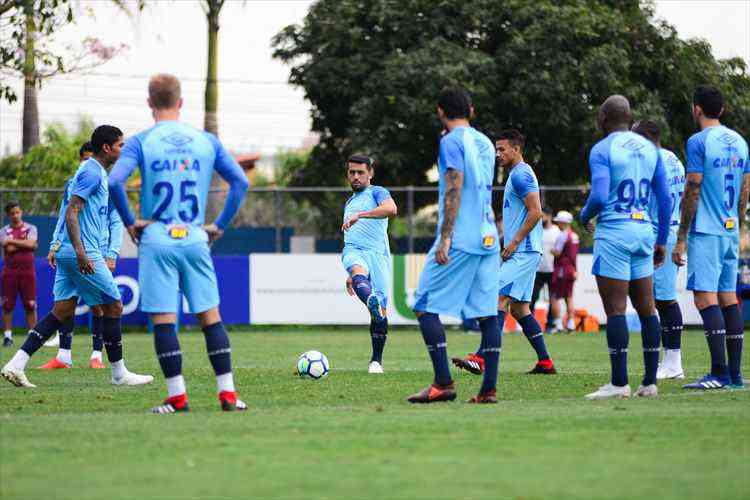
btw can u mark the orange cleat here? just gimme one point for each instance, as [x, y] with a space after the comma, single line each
[54, 364]
[434, 394]
[96, 364]
[483, 398]
[543, 367]
[230, 402]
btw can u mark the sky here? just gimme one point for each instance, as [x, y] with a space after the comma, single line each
[258, 110]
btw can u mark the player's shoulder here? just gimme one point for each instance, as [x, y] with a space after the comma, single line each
[727, 136]
[670, 159]
[379, 191]
[90, 169]
[698, 138]
[454, 138]
[602, 148]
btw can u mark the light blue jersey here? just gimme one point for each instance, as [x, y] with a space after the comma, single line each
[521, 182]
[466, 150]
[675, 173]
[721, 155]
[367, 234]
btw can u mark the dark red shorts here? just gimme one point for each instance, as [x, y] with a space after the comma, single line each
[561, 288]
[17, 281]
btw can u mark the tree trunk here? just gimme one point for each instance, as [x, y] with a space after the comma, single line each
[30, 105]
[211, 99]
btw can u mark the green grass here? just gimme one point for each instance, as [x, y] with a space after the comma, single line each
[352, 436]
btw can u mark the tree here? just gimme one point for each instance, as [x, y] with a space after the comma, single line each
[212, 9]
[372, 70]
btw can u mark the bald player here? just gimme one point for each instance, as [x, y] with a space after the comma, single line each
[625, 169]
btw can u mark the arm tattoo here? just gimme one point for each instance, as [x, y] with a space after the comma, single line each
[744, 192]
[454, 181]
[689, 207]
[71, 222]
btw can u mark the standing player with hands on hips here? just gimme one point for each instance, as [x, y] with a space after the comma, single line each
[367, 255]
[176, 162]
[713, 208]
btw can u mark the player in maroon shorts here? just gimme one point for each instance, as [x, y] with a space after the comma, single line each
[18, 240]
[565, 270]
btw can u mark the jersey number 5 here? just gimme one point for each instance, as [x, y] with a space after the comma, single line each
[186, 196]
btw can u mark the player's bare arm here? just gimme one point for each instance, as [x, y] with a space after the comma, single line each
[384, 210]
[454, 182]
[744, 193]
[534, 215]
[687, 213]
[75, 206]
[136, 229]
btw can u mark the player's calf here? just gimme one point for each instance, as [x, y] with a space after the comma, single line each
[220, 356]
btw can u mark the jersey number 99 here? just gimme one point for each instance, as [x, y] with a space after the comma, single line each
[626, 195]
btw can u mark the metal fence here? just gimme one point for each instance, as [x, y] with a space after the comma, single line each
[316, 213]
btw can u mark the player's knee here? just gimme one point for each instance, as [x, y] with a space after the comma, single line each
[97, 311]
[112, 310]
[29, 305]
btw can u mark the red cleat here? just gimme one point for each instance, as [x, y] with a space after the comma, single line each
[473, 363]
[434, 394]
[54, 364]
[543, 367]
[175, 404]
[484, 398]
[96, 364]
[229, 401]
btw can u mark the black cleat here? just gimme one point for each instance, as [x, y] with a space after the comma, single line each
[7, 342]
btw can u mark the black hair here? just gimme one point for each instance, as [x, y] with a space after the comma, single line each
[547, 210]
[648, 129]
[361, 159]
[455, 103]
[85, 148]
[710, 100]
[10, 206]
[513, 136]
[104, 134]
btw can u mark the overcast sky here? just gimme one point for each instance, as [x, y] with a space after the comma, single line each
[257, 109]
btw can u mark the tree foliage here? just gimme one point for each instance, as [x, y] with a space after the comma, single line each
[372, 70]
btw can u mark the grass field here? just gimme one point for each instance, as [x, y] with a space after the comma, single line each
[352, 436]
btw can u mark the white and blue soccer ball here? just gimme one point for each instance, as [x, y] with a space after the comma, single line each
[313, 364]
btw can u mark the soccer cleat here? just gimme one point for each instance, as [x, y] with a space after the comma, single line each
[543, 367]
[647, 391]
[229, 401]
[473, 363]
[709, 383]
[15, 377]
[175, 404]
[737, 383]
[53, 342]
[373, 305]
[609, 391]
[131, 378]
[54, 364]
[434, 394]
[668, 371]
[7, 342]
[96, 364]
[484, 398]
[375, 367]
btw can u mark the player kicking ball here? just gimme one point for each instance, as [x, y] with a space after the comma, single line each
[461, 275]
[717, 171]
[176, 162]
[665, 276]
[367, 255]
[81, 268]
[625, 169]
[112, 239]
[522, 215]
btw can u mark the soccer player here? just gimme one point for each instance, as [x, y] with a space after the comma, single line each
[625, 169]
[717, 171]
[367, 255]
[665, 276]
[81, 269]
[461, 273]
[522, 252]
[18, 240]
[176, 163]
[112, 237]
[565, 267]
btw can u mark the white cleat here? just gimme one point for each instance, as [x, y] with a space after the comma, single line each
[131, 378]
[53, 342]
[647, 391]
[15, 377]
[375, 367]
[609, 391]
[668, 371]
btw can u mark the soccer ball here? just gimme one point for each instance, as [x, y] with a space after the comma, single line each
[313, 364]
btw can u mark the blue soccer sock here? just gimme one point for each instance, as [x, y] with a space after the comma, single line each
[66, 335]
[492, 340]
[534, 334]
[378, 336]
[650, 339]
[670, 318]
[734, 338]
[617, 342]
[434, 338]
[41, 332]
[362, 287]
[112, 335]
[713, 325]
[220, 356]
[167, 347]
[97, 327]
